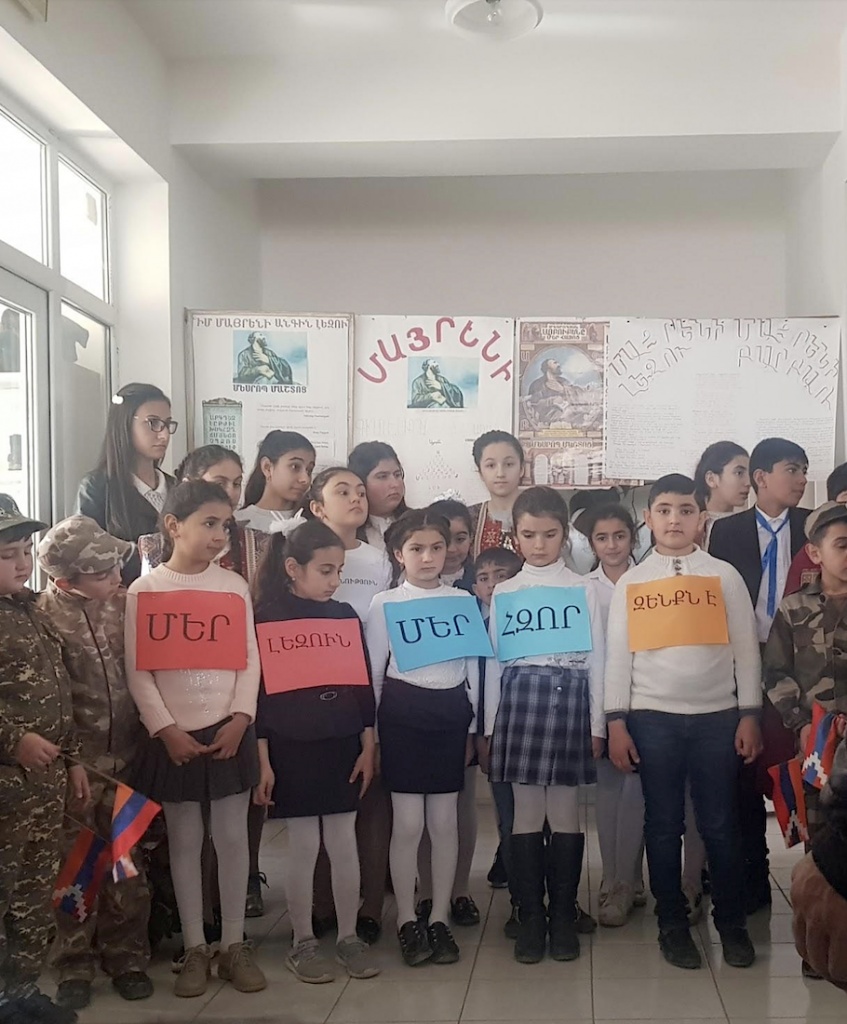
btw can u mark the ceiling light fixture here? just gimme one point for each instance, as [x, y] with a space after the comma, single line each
[495, 20]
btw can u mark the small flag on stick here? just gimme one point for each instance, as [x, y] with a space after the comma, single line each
[79, 881]
[131, 818]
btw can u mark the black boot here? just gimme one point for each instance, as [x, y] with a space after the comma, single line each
[528, 885]
[564, 870]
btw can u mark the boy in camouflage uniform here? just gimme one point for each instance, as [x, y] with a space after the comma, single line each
[36, 725]
[85, 604]
[805, 658]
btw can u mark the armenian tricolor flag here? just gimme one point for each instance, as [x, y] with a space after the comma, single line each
[79, 881]
[820, 750]
[788, 801]
[131, 818]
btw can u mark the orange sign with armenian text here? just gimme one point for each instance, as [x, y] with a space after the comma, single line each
[678, 611]
[191, 629]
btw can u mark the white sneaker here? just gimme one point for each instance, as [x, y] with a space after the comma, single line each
[694, 902]
[616, 909]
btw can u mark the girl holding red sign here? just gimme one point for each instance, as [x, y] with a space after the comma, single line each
[193, 669]
[316, 736]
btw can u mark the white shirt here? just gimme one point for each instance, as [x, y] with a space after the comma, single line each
[375, 530]
[691, 680]
[155, 495]
[555, 575]
[262, 519]
[604, 589]
[783, 564]
[711, 519]
[442, 676]
[366, 573]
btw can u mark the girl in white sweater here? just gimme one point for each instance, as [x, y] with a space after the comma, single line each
[547, 727]
[204, 743]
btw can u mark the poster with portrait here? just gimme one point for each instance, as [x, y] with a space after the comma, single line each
[250, 373]
[430, 385]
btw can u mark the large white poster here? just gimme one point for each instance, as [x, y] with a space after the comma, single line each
[675, 386]
[430, 385]
[250, 373]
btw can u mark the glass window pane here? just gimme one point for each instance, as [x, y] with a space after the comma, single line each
[21, 188]
[15, 425]
[82, 379]
[82, 231]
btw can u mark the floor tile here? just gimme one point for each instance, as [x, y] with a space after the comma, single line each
[398, 1002]
[779, 960]
[631, 960]
[541, 1000]
[694, 996]
[748, 996]
[764, 928]
[494, 963]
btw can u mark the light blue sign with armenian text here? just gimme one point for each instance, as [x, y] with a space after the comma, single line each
[542, 620]
[430, 630]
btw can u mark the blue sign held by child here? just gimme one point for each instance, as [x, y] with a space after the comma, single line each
[542, 620]
[430, 630]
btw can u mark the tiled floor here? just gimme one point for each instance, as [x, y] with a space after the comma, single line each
[620, 977]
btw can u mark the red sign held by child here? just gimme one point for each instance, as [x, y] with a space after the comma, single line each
[191, 629]
[303, 653]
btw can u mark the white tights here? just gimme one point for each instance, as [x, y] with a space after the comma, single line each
[559, 805]
[411, 812]
[304, 842]
[467, 844]
[228, 826]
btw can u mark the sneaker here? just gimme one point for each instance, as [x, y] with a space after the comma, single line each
[464, 912]
[639, 897]
[73, 994]
[356, 958]
[369, 930]
[738, 950]
[212, 935]
[497, 877]
[513, 925]
[307, 963]
[238, 966]
[195, 974]
[809, 972]
[423, 911]
[37, 1008]
[442, 944]
[585, 923]
[255, 905]
[414, 943]
[323, 925]
[133, 985]
[615, 911]
[679, 950]
[693, 903]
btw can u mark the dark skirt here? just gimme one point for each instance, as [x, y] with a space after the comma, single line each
[203, 778]
[312, 778]
[542, 735]
[423, 735]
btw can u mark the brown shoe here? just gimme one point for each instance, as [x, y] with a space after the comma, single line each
[237, 965]
[196, 971]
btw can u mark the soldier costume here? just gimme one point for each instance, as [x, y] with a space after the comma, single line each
[109, 732]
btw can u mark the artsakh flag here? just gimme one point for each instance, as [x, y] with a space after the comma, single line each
[79, 881]
[131, 818]
[820, 750]
[788, 801]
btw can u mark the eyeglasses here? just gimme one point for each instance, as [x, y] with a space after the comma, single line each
[157, 424]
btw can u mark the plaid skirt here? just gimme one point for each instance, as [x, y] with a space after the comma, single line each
[542, 735]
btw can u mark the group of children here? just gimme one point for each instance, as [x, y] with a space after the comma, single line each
[468, 639]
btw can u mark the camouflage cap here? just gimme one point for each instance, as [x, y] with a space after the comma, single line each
[829, 512]
[77, 545]
[11, 516]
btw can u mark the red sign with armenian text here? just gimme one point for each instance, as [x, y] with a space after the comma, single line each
[303, 653]
[191, 629]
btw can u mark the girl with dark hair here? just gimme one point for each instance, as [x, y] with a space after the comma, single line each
[316, 749]
[126, 492]
[377, 464]
[545, 712]
[279, 480]
[458, 566]
[425, 715]
[203, 746]
[721, 482]
[499, 458]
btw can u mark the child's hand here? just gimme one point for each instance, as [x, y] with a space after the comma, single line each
[598, 747]
[33, 751]
[181, 747]
[228, 738]
[482, 752]
[80, 787]
[623, 752]
[748, 739]
[264, 791]
[364, 766]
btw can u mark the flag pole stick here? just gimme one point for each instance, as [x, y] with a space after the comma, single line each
[88, 828]
[93, 771]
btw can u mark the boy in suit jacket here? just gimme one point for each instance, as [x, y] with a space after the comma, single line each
[761, 543]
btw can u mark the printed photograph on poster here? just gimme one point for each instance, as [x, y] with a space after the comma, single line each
[250, 373]
[429, 386]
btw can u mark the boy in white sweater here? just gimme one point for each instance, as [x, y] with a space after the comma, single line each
[683, 698]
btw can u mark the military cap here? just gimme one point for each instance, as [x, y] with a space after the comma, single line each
[77, 546]
[11, 516]
[829, 512]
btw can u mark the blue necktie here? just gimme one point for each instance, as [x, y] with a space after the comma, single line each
[770, 559]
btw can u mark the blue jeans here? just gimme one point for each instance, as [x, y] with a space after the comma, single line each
[701, 749]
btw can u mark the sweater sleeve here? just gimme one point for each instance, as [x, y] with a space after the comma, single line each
[743, 639]
[618, 667]
[142, 685]
[596, 665]
[493, 672]
[781, 685]
[247, 680]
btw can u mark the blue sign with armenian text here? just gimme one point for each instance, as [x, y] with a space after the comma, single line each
[542, 620]
[429, 630]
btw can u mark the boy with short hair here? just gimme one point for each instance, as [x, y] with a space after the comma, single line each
[803, 570]
[36, 726]
[85, 603]
[686, 712]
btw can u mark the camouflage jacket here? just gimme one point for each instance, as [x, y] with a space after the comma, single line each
[805, 658]
[35, 688]
[106, 717]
